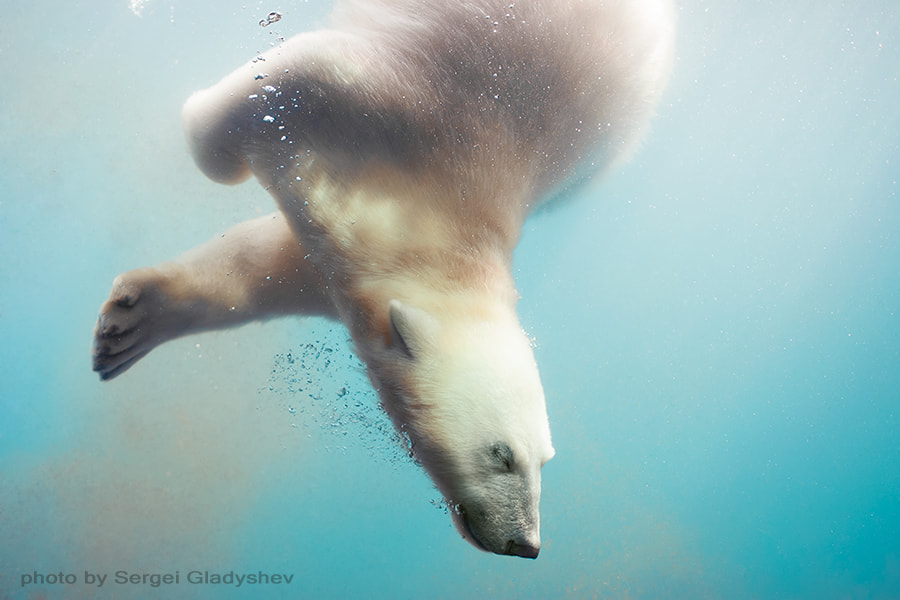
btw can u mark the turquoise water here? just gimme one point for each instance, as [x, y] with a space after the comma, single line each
[717, 332]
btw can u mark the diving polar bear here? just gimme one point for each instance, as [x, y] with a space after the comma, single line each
[405, 146]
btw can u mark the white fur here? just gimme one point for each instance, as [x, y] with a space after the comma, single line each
[405, 147]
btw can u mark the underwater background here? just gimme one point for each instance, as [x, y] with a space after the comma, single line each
[717, 329]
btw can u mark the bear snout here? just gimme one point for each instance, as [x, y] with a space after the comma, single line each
[523, 549]
[526, 544]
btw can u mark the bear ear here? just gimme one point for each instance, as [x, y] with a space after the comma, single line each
[411, 328]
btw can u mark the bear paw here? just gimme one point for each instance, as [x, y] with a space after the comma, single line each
[135, 319]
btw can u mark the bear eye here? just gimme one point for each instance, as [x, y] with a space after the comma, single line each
[502, 454]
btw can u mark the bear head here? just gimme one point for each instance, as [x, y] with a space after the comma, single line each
[464, 391]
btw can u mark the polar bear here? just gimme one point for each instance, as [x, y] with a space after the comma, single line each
[404, 147]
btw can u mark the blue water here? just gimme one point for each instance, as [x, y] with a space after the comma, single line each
[717, 327]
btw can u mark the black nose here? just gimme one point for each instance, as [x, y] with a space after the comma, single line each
[525, 550]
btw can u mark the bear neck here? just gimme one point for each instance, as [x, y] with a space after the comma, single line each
[454, 287]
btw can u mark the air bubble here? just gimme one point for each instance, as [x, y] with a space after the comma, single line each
[272, 17]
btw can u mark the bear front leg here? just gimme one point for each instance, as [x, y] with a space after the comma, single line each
[255, 270]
